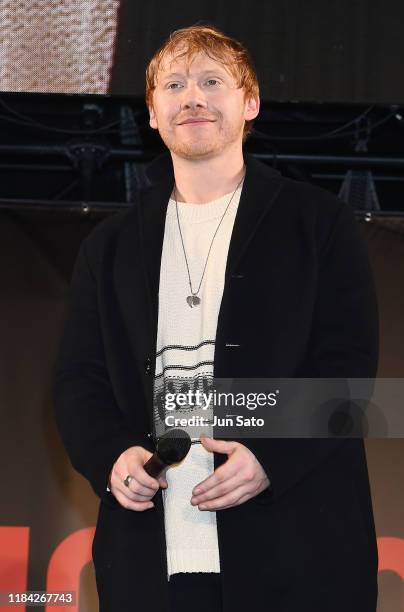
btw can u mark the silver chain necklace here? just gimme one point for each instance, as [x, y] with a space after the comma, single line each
[193, 299]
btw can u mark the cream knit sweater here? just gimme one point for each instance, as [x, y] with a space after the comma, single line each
[185, 353]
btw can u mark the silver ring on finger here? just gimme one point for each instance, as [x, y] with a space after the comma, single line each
[127, 480]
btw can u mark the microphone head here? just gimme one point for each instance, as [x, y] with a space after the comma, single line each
[173, 446]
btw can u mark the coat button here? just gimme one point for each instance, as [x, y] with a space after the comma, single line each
[147, 365]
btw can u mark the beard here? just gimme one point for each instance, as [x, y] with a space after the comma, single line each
[201, 146]
[192, 148]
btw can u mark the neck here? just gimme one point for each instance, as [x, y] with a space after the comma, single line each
[204, 180]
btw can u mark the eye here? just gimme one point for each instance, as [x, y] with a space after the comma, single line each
[212, 81]
[173, 85]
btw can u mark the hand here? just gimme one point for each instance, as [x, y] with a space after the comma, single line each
[239, 479]
[142, 487]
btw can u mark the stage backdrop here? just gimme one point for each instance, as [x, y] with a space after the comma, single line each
[47, 511]
[335, 51]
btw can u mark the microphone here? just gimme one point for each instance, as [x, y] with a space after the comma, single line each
[171, 448]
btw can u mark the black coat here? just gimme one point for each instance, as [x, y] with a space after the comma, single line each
[298, 301]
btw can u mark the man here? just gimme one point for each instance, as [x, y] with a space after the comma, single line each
[222, 268]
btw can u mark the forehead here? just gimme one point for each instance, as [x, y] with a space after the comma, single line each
[180, 63]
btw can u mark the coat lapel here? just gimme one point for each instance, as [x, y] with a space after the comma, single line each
[260, 189]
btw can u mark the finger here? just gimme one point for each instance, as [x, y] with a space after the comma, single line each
[134, 489]
[162, 482]
[145, 481]
[129, 494]
[225, 472]
[218, 446]
[229, 500]
[128, 504]
[242, 499]
[218, 490]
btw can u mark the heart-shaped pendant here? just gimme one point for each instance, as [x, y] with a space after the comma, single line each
[193, 300]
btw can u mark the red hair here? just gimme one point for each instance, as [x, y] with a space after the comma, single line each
[188, 42]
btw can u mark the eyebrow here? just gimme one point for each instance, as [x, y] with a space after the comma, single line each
[218, 71]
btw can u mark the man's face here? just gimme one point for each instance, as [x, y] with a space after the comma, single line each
[198, 109]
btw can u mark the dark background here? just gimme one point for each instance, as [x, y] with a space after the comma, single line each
[305, 50]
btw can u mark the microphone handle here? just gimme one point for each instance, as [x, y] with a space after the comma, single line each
[155, 465]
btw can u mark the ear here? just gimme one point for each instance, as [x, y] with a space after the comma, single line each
[252, 108]
[152, 118]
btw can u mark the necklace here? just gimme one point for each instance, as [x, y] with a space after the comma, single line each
[193, 299]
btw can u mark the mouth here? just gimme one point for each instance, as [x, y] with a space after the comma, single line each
[196, 121]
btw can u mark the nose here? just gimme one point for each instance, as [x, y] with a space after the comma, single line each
[192, 97]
